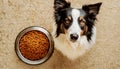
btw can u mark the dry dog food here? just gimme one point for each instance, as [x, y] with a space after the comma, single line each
[34, 45]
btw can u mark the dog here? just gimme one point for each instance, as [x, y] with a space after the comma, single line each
[74, 30]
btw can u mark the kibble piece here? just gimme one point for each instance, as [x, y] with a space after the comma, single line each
[34, 45]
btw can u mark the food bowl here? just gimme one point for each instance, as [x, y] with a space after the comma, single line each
[27, 50]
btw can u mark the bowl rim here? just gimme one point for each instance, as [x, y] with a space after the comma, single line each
[28, 29]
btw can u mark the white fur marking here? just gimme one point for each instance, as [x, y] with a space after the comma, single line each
[74, 28]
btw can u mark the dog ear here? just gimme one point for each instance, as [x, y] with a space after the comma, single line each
[59, 7]
[92, 8]
[61, 4]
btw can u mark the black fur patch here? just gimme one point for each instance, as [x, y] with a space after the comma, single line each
[60, 7]
[91, 12]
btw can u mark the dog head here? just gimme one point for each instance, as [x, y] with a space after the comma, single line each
[75, 23]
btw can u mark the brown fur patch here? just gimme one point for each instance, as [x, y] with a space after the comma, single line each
[84, 31]
[82, 24]
[63, 30]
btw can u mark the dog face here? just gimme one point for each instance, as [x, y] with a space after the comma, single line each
[75, 23]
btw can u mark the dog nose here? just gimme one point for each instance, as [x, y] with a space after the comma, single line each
[74, 36]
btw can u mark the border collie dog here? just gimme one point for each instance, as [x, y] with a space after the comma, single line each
[74, 32]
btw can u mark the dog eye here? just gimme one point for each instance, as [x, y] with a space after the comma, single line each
[82, 23]
[67, 21]
[82, 20]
